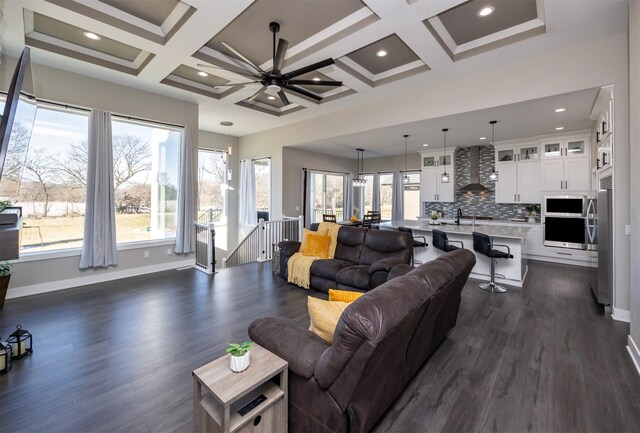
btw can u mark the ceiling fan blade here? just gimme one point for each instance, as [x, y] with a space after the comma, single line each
[242, 57]
[258, 93]
[304, 92]
[315, 83]
[309, 68]
[229, 69]
[283, 97]
[278, 61]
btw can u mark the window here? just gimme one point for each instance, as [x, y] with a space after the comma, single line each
[386, 195]
[327, 195]
[411, 197]
[145, 174]
[212, 186]
[47, 176]
[262, 172]
[367, 195]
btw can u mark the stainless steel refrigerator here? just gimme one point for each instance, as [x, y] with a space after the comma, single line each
[602, 286]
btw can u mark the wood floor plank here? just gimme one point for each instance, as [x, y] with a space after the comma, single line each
[117, 356]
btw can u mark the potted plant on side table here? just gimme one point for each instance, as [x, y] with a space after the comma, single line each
[5, 276]
[239, 360]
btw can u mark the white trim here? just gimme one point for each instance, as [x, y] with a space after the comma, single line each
[18, 292]
[632, 347]
[621, 315]
[26, 256]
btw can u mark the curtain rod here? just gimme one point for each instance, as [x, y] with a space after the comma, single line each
[123, 116]
[326, 171]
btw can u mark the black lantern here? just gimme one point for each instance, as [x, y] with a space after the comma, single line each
[6, 361]
[21, 343]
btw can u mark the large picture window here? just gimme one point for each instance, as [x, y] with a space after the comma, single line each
[411, 197]
[212, 186]
[386, 195]
[367, 195]
[327, 195]
[145, 174]
[46, 176]
[262, 172]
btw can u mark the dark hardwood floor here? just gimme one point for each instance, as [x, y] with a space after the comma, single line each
[117, 357]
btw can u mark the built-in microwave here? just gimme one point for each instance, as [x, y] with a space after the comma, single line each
[581, 206]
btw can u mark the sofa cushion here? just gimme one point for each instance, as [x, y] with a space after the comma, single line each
[350, 240]
[343, 295]
[328, 268]
[354, 276]
[379, 244]
[324, 316]
[317, 246]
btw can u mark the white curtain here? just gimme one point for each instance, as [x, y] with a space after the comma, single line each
[397, 198]
[248, 210]
[185, 234]
[375, 204]
[348, 197]
[99, 242]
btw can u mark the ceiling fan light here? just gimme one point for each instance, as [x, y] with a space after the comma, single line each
[274, 87]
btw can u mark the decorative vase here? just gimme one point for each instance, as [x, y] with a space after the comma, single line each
[4, 285]
[239, 363]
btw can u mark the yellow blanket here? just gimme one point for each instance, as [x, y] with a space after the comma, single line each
[299, 265]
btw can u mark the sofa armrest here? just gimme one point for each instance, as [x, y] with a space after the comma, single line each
[385, 264]
[399, 271]
[291, 341]
[289, 248]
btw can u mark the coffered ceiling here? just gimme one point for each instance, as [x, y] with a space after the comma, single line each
[163, 45]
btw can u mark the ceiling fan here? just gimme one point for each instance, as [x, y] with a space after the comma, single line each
[275, 80]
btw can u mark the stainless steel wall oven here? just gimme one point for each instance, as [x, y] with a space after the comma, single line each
[570, 222]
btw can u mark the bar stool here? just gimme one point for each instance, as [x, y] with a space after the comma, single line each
[441, 242]
[418, 242]
[482, 244]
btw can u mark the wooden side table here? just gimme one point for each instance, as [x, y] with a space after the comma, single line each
[225, 392]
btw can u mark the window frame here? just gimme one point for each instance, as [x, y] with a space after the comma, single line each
[225, 194]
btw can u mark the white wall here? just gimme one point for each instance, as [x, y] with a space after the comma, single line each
[634, 140]
[214, 141]
[61, 86]
[487, 81]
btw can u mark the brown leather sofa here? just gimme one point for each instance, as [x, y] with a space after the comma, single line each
[381, 340]
[362, 260]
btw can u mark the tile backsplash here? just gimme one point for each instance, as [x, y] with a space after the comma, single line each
[483, 204]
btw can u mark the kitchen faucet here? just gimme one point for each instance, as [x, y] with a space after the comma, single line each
[458, 215]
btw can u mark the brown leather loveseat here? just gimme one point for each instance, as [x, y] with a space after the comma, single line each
[362, 260]
[381, 340]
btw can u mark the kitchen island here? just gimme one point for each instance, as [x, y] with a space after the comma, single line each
[512, 235]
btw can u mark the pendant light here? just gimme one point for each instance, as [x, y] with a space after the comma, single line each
[444, 178]
[405, 178]
[494, 174]
[359, 181]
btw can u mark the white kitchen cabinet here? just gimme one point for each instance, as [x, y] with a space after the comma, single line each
[431, 187]
[572, 147]
[568, 174]
[518, 168]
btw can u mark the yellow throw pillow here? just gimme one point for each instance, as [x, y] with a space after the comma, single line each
[303, 244]
[324, 317]
[343, 295]
[317, 246]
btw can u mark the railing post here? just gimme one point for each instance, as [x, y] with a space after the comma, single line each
[211, 248]
[300, 226]
[262, 241]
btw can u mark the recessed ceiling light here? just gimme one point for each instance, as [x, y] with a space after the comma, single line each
[381, 53]
[486, 11]
[316, 79]
[560, 110]
[483, 138]
[425, 145]
[203, 74]
[271, 97]
[559, 128]
[92, 36]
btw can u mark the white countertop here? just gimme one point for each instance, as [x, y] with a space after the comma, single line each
[495, 229]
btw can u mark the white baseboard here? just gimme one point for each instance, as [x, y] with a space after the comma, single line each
[621, 315]
[52, 286]
[632, 347]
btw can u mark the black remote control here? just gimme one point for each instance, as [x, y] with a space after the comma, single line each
[252, 404]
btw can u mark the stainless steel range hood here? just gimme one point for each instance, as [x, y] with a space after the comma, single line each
[474, 171]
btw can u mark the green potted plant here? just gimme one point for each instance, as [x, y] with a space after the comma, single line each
[532, 211]
[239, 359]
[5, 276]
